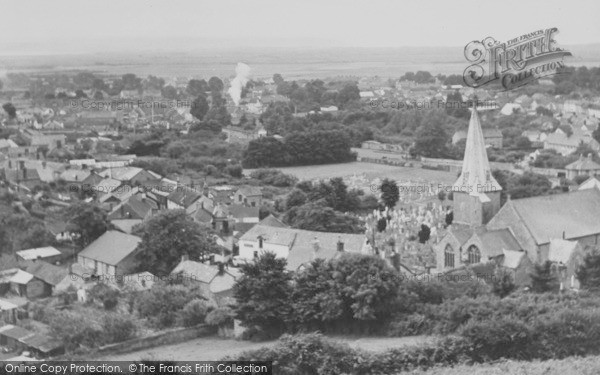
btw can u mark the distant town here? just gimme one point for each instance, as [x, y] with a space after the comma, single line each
[139, 213]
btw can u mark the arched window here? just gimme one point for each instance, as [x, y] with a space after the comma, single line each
[474, 255]
[448, 257]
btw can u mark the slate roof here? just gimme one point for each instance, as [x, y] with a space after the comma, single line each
[495, 241]
[47, 272]
[576, 213]
[111, 248]
[512, 259]
[15, 332]
[249, 191]
[121, 173]
[196, 271]
[75, 175]
[583, 164]
[239, 211]
[272, 221]
[302, 242]
[184, 197]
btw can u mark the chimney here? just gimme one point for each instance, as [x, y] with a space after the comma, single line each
[122, 210]
[589, 156]
[221, 269]
[185, 257]
[564, 235]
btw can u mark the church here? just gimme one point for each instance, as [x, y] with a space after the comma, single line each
[522, 232]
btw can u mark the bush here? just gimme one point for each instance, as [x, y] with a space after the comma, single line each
[118, 328]
[501, 338]
[74, 330]
[162, 303]
[193, 313]
[222, 316]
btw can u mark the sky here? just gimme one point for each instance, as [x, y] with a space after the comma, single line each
[79, 26]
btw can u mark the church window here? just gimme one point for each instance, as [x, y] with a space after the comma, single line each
[448, 257]
[473, 254]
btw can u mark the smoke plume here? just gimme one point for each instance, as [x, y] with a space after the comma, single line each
[242, 72]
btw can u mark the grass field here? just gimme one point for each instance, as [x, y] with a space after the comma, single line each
[370, 170]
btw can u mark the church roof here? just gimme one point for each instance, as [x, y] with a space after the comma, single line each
[476, 176]
[573, 215]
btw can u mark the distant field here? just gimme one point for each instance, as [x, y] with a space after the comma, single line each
[370, 171]
[568, 366]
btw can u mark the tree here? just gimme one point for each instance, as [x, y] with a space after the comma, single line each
[543, 279]
[131, 82]
[215, 84]
[167, 237]
[197, 87]
[502, 283]
[317, 216]
[527, 185]
[87, 221]
[350, 292]
[10, 110]
[431, 139]
[295, 198]
[588, 272]
[348, 93]
[170, 92]
[163, 304]
[424, 233]
[278, 79]
[381, 224]
[390, 193]
[263, 294]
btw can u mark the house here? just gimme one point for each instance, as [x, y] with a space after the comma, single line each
[21, 283]
[50, 141]
[125, 225]
[510, 108]
[492, 137]
[48, 254]
[136, 207]
[111, 254]
[182, 198]
[132, 175]
[244, 214]
[249, 196]
[8, 314]
[42, 346]
[215, 281]
[536, 137]
[298, 246]
[58, 228]
[11, 336]
[583, 167]
[527, 224]
[566, 256]
[54, 278]
[566, 145]
[590, 183]
[221, 193]
[27, 177]
[75, 176]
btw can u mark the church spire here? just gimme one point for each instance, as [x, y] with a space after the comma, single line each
[476, 176]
